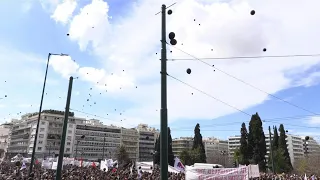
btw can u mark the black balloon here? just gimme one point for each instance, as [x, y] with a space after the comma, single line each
[189, 71]
[264, 49]
[172, 35]
[253, 12]
[170, 12]
[173, 42]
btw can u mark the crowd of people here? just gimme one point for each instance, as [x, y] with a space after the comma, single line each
[10, 171]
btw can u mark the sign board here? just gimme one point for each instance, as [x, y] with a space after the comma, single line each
[194, 173]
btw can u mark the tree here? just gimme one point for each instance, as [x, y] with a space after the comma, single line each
[280, 164]
[190, 156]
[122, 155]
[170, 151]
[157, 150]
[256, 142]
[275, 141]
[197, 143]
[243, 151]
[283, 146]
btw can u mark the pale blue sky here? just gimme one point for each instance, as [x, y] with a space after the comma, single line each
[123, 48]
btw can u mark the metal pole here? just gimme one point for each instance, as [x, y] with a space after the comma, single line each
[49, 150]
[39, 115]
[64, 131]
[104, 141]
[76, 150]
[271, 150]
[163, 111]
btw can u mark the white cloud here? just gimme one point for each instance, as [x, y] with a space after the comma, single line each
[130, 44]
[64, 11]
[315, 120]
[50, 5]
[64, 65]
[90, 25]
[311, 80]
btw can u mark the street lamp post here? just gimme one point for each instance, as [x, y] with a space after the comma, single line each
[224, 153]
[82, 137]
[40, 109]
[104, 141]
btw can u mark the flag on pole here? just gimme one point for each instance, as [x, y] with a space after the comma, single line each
[23, 166]
[178, 164]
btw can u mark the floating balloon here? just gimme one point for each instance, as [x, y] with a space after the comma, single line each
[172, 35]
[253, 12]
[189, 71]
[173, 42]
[170, 12]
[264, 49]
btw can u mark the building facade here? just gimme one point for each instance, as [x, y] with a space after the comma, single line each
[216, 150]
[23, 132]
[94, 141]
[147, 139]
[130, 140]
[180, 144]
[295, 145]
[4, 138]
[234, 144]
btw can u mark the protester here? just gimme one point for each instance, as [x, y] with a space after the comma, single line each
[10, 171]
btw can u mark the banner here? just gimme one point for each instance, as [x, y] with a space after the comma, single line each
[193, 173]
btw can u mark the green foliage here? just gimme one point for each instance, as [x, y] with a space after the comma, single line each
[122, 155]
[283, 146]
[256, 142]
[280, 165]
[198, 144]
[170, 151]
[190, 156]
[243, 151]
[275, 141]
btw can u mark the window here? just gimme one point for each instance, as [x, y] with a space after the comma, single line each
[41, 135]
[43, 122]
[41, 129]
[70, 125]
[39, 148]
[68, 149]
[69, 131]
[40, 142]
[68, 143]
[69, 138]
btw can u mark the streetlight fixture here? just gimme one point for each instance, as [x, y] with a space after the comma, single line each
[50, 145]
[104, 142]
[40, 109]
[82, 137]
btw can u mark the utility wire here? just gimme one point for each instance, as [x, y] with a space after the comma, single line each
[208, 95]
[245, 57]
[240, 80]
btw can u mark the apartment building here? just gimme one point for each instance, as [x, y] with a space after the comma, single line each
[214, 146]
[4, 138]
[180, 144]
[295, 145]
[130, 140]
[147, 139]
[234, 144]
[94, 141]
[22, 134]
